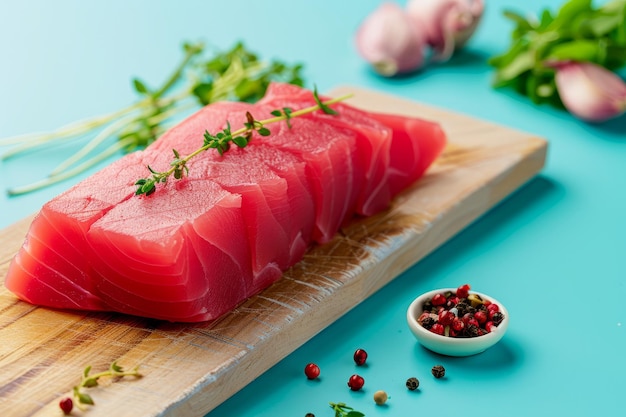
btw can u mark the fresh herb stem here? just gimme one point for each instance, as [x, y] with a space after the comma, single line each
[91, 145]
[69, 173]
[236, 74]
[70, 130]
[117, 127]
[81, 398]
[240, 137]
[342, 410]
[191, 51]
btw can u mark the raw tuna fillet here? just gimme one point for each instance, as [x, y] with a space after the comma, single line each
[372, 141]
[199, 246]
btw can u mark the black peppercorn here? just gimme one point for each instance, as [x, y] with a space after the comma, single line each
[412, 383]
[497, 318]
[428, 322]
[438, 371]
[309, 415]
[472, 331]
[462, 308]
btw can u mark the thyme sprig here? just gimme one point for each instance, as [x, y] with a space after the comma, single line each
[342, 410]
[221, 141]
[236, 74]
[82, 399]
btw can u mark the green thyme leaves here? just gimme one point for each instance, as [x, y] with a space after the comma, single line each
[89, 380]
[323, 107]
[343, 410]
[221, 141]
[286, 112]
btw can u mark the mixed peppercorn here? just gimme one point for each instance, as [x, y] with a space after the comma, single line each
[357, 382]
[456, 313]
[460, 314]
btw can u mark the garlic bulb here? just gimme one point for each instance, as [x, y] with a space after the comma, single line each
[390, 42]
[446, 24]
[589, 91]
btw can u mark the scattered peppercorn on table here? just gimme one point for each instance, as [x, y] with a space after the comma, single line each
[539, 243]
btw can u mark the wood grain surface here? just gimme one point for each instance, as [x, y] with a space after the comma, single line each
[187, 368]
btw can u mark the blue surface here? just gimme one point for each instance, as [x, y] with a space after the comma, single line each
[554, 252]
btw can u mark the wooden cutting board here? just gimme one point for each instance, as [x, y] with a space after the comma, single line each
[188, 369]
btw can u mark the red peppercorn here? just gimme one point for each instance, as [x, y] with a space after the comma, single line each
[66, 405]
[356, 382]
[360, 356]
[463, 291]
[312, 371]
[452, 301]
[489, 326]
[438, 328]
[446, 317]
[466, 317]
[458, 325]
[492, 307]
[472, 322]
[480, 316]
[423, 316]
[438, 300]
[492, 311]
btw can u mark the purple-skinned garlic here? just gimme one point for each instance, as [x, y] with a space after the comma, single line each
[389, 40]
[589, 91]
[446, 24]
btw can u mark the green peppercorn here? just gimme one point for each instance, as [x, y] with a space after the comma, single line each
[475, 299]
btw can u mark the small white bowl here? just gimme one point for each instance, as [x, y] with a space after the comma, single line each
[452, 346]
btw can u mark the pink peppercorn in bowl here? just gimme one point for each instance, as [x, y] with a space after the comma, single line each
[444, 343]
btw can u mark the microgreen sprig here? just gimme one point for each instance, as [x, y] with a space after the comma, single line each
[82, 399]
[342, 410]
[221, 141]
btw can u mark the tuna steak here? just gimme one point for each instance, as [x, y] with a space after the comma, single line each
[199, 246]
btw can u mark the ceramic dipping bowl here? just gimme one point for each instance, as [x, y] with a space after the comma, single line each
[453, 346]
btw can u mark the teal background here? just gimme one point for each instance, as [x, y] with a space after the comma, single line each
[554, 252]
